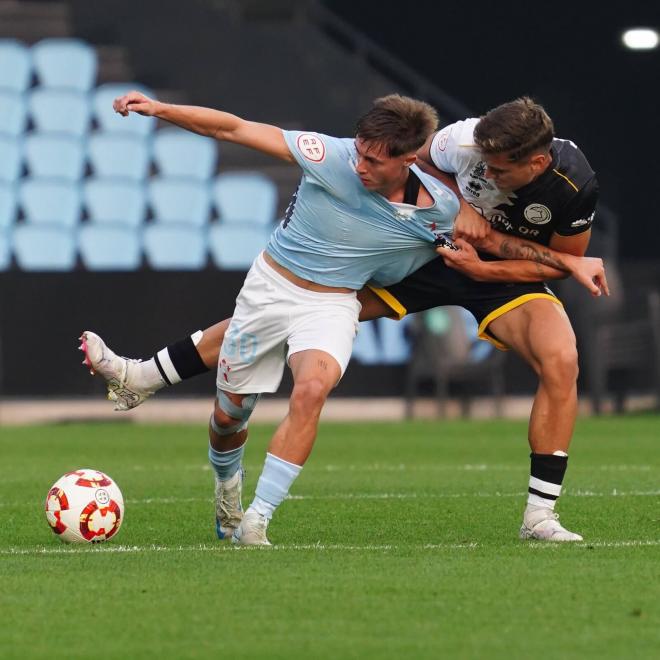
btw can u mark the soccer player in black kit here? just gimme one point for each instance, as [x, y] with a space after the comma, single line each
[514, 177]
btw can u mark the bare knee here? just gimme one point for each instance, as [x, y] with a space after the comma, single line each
[559, 367]
[308, 395]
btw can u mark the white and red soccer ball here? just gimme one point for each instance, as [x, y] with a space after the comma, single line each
[85, 506]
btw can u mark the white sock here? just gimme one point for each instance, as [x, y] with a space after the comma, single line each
[145, 375]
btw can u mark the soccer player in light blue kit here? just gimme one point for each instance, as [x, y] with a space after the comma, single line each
[363, 212]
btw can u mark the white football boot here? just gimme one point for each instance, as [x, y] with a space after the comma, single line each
[228, 507]
[119, 372]
[543, 524]
[252, 530]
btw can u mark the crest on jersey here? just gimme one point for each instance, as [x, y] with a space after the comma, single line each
[311, 147]
[537, 214]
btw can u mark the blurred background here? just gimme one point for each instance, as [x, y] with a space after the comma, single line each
[143, 233]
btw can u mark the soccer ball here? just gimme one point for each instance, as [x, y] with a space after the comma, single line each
[85, 506]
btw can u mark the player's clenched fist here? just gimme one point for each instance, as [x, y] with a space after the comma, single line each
[134, 102]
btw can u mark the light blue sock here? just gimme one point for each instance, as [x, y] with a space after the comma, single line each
[226, 463]
[273, 485]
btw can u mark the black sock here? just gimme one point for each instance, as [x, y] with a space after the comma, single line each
[180, 360]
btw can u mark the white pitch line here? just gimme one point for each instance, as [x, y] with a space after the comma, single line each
[136, 549]
[378, 496]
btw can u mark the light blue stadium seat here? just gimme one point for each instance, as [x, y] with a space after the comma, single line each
[15, 65]
[395, 347]
[234, 246]
[13, 112]
[48, 201]
[60, 110]
[10, 162]
[110, 247]
[112, 122]
[66, 63]
[56, 156]
[122, 156]
[8, 206]
[175, 247]
[5, 250]
[366, 347]
[245, 197]
[115, 200]
[180, 200]
[184, 154]
[45, 248]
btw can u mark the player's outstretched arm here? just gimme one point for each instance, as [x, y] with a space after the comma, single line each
[212, 123]
[589, 271]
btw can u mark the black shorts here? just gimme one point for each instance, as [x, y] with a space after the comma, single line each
[436, 284]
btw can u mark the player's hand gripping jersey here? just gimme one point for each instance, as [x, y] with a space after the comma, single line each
[338, 233]
[562, 200]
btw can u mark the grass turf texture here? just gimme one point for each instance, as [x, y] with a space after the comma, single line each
[399, 539]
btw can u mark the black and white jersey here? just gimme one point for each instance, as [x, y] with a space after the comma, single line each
[561, 201]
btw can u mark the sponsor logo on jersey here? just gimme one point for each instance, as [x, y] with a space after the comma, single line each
[537, 214]
[583, 221]
[311, 147]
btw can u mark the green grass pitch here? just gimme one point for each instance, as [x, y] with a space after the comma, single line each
[399, 540]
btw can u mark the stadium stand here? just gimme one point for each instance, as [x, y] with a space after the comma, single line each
[65, 63]
[13, 112]
[115, 200]
[15, 65]
[110, 247]
[246, 198]
[44, 248]
[60, 110]
[178, 153]
[234, 246]
[11, 161]
[8, 206]
[49, 201]
[5, 250]
[115, 155]
[54, 155]
[175, 247]
[186, 201]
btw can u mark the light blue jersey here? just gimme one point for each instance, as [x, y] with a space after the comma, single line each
[338, 233]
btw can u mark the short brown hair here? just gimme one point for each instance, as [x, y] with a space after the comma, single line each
[516, 128]
[401, 124]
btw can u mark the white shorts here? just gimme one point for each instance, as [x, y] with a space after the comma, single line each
[272, 313]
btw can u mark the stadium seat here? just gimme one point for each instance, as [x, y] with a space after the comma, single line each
[366, 349]
[10, 162]
[180, 200]
[184, 154]
[5, 250]
[234, 246]
[13, 112]
[245, 197]
[44, 248]
[122, 156]
[65, 63]
[48, 201]
[395, 347]
[8, 205]
[115, 200]
[15, 65]
[110, 121]
[60, 110]
[110, 247]
[175, 247]
[56, 156]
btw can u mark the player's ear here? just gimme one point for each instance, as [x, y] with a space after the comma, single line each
[539, 162]
[409, 160]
